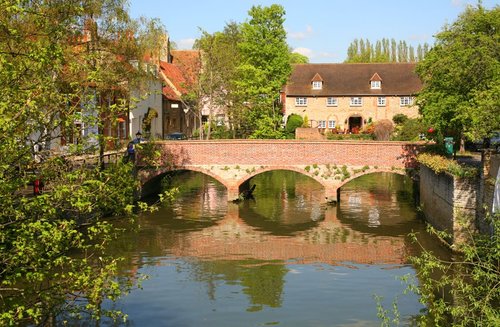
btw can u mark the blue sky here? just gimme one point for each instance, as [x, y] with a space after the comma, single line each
[321, 29]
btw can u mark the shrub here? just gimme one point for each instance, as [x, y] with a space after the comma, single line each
[383, 130]
[292, 123]
[440, 164]
[410, 130]
[399, 119]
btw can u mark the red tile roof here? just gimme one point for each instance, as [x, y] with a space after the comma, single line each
[189, 62]
[354, 79]
[174, 81]
[181, 74]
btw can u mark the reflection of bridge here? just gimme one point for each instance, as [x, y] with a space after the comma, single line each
[329, 242]
[331, 163]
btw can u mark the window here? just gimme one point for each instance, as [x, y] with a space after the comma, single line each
[356, 101]
[332, 102]
[317, 85]
[331, 124]
[376, 84]
[405, 101]
[301, 101]
[381, 101]
[321, 123]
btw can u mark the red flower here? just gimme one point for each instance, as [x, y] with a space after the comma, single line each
[431, 130]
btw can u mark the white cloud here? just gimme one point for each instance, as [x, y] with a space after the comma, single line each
[301, 35]
[457, 3]
[185, 44]
[315, 55]
[304, 51]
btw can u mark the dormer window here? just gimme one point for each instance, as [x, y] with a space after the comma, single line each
[317, 82]
[375, 82]
[317, 85]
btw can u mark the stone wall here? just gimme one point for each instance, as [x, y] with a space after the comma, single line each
[449, 203]
[317, 109]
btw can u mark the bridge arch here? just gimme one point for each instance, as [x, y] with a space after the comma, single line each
[262, 170]
[369, 172]
[147, 179]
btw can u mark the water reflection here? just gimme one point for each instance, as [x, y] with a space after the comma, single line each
[278, 259]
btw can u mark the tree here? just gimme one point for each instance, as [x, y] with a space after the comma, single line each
[265, 66]
[461, 76]
[364, 51]
[58, 62]
[297, 58]
[220, 59]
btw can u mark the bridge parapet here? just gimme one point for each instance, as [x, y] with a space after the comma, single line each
[331, 163]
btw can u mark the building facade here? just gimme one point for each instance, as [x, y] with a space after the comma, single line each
[344, 98]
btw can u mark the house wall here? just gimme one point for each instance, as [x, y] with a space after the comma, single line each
[317, 109]
[153, 99]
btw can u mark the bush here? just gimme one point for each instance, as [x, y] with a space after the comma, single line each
[399, 119]
[383, 130]
[410, 130]
[294, 121]
[331, 136]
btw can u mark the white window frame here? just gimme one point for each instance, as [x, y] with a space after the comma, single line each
[381, 101]
[331, 124]
[317, 85]
[376, 85]
[332, 102]
[405, 101]
[301, 102]
[321, 123]
[356, 101]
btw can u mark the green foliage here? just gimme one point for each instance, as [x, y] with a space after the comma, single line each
[216, 85]
[331, 136]
[61, 63]
[467, 291]
[399, 119]
[385, 50]
[297, 58]
[294, 121]
[440, 164]
[264, 69]
[461, 76]
[410, 129]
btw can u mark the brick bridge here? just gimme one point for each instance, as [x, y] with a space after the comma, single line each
[234, 162]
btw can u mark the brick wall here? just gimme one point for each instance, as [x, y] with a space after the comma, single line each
[289, 152]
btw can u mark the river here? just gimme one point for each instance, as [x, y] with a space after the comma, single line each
[282, 259]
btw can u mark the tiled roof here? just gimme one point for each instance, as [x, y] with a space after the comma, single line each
[189, 62]
[354, 79]
[317, 78]
[179, 75]
[175, 84]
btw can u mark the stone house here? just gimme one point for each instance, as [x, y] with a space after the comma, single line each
[346, 97]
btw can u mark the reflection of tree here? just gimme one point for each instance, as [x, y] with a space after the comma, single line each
[264, 285]
[262, 281]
